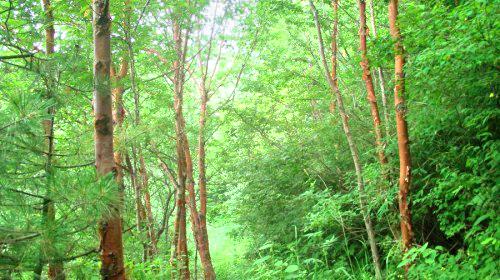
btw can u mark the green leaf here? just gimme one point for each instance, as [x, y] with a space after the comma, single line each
[292, 268]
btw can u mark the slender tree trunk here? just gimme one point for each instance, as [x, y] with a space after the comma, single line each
[367, 78]
[352, 145]
[200, 234]
[56, 267]
[181, 254]
[181, 250]
[151, 250]
[171, 194]
[402, 129]
[110, 228]
[380, 73]
[204, 246]
[175, 237]
[202, 177]
[140, 214]
[118, 117]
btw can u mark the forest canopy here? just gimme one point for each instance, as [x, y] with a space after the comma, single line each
[249, 139]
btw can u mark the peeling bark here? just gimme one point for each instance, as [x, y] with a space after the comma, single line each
[118, 117]
[182, 263]
[367, 78]
[110, 228]
[402, 129]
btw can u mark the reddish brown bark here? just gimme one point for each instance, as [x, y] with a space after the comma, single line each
[185, 165]
[367, 78]
[204, 246]
[181, 254]
[200, 232]
[402, 129]
[331, 77]
[181, 250]
[110, 228]
[118, 117]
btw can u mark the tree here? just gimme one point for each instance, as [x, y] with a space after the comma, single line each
[402, 129]
[110, 228]
[345, 125]
[118, 118]
[145, 217]
[180, 41]
[367, 78]
[56, 269]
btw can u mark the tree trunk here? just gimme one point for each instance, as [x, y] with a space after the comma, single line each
[110, 228]
[200, 233]
[345, 124]
[175, 237]
[56, 267]
[402, 129]
[380, 73]
[152, 250]
[118, 117]
[140, 214]
[367, 78]
[181, 254]
[144, 186]
[181, 250]
[204, 246]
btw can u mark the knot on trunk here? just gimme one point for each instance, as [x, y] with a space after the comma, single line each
[103, 125]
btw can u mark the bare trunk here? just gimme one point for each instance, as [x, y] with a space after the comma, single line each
[200, 233]
[118, 117]
[367, 78]
[380, 73]
[140, 214]
[204, 246]
[110, 228]
[181, 250]
[181, 254]
[352, 145]
[152, 250]
[402, 130]
[175, 238]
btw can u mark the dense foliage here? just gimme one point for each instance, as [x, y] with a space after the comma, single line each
[282, 195]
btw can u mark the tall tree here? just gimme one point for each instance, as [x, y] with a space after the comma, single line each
[142, 186]
[202, 178]
[180, 45]
[56, 268]
[402, 129]
[367, 78]
[110, 227]
[137, 164]
[331, 77]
